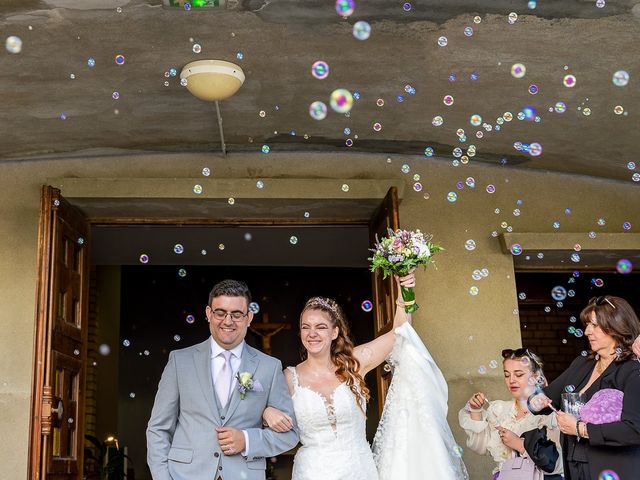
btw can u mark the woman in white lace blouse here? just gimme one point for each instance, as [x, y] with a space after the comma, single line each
[497, 429]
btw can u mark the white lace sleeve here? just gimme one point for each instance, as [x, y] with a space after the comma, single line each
[477, 431]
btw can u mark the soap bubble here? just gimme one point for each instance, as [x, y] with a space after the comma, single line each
[190, 319]
[182, 272]
[293, 240]
[620, 78]
[13, 44]
[442, 41]
[367, 306]
[569, 81]
[470, 245]
[144, 258]
[318, 110]
[120, 59]
[608, 475]
[361, 30]
[518, 70]
[320, 70]
[341, 100]
[178, 248]
[254, 307]
[344, 8]
[559, 293]
[624, 266]
[104, 349]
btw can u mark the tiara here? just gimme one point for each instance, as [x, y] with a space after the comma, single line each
[319, 301]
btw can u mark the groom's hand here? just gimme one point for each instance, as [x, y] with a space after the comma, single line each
[231, 440]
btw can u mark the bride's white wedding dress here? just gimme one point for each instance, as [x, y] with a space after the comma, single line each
[413, 441]
[332, 434]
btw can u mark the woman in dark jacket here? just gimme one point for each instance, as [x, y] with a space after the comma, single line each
[589, 449]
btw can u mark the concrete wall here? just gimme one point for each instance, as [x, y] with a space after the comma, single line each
[462, 331]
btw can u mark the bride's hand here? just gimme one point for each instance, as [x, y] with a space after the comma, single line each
[409, 280]
[276, 420]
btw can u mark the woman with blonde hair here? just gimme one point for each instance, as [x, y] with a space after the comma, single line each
[506, 428]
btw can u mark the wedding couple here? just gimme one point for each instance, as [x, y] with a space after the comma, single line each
[223, 407]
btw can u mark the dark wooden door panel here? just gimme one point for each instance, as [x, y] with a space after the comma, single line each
[57, 437]
[384, 294]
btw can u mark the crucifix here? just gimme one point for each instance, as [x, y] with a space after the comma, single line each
[266, 330]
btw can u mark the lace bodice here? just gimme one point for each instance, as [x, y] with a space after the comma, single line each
[332, 434]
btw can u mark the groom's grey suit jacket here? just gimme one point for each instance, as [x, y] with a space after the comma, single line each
[182, 443]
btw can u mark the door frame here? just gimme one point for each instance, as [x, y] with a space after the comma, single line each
[40, 401]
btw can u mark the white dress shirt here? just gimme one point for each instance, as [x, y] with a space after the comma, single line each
[217, 362]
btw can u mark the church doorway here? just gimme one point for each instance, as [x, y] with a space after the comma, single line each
[114, 297]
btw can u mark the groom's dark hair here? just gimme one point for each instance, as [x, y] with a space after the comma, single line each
[230, 288]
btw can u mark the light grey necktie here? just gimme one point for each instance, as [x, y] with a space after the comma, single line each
[225, 379]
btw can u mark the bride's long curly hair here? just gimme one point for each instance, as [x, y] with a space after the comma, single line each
[342, 347]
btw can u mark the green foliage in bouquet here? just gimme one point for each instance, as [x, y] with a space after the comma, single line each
[401, 251]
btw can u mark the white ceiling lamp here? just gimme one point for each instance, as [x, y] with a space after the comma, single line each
[212, 81]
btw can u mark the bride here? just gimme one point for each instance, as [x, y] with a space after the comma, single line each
[330, 396]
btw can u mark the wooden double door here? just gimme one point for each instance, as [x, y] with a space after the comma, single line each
[57, 421]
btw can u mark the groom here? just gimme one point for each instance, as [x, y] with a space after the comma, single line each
[206, 422]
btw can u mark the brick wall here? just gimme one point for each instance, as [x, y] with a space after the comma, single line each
[546, 335]
[91, 385]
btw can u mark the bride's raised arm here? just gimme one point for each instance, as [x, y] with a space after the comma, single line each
[373, 353]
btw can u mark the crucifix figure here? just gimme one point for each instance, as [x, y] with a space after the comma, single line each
[266, 330]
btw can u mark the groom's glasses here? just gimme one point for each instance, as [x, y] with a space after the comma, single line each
[221, 315]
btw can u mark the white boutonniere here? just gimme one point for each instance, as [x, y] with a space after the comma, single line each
[245, 383]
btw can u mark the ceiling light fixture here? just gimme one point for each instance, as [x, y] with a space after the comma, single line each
[212, 81]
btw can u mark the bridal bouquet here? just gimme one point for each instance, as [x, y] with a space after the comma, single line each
[398, 253]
